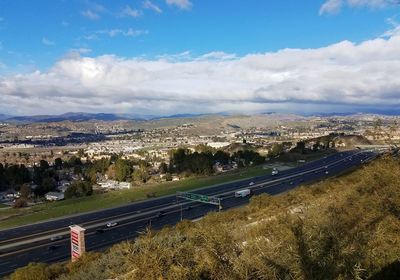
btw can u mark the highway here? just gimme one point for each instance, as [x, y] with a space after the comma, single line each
[31, 243]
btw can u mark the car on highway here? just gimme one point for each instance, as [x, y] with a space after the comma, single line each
[160, 214]
[57, 237]
[243, 193]
[326, 172]
[251, 183]
[274, 172]
[111, 224]
[100, 230]
[188, 208]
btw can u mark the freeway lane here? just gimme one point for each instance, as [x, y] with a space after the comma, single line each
[129, 227]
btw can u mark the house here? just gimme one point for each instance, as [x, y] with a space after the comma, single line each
[114, 185]
[54, 196]
[63, 186]
[175, 178]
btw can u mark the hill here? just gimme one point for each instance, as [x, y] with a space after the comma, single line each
[76, 117]
[344, 228]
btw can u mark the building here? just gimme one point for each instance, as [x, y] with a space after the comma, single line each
[114, 185]
[54, 196]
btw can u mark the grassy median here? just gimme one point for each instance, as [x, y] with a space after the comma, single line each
[16, 217]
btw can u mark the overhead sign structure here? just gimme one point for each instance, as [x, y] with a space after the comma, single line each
[200, 198]
[77, 242]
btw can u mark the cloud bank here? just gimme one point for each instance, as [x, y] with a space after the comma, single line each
[334, 6]
[335, 78]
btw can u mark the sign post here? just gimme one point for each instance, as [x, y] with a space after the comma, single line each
[201, 198]
[77, 242]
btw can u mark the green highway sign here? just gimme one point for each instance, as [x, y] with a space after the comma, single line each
[199, 197]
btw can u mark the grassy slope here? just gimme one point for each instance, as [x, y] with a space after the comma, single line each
[16, 217]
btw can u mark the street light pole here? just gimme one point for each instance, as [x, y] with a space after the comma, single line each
[181, 213]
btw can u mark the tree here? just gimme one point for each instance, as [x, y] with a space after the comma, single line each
[43, 164]
[276, 149]
[25, 191]
[163, 168]
[168, 177]
[123, 170]
[79, 189]
[140, 174]
[74, 161]
[58, 163]
[77, 170]
[20, 202]
[221, 157]
[300, 147]
[81, 153]
[48, 184]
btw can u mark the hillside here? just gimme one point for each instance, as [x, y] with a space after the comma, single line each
[343, 228]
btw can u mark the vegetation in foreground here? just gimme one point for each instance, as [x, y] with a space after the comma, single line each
[343, 228]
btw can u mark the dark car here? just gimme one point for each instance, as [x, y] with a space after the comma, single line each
[57, 237]
[100, 230]
[53, 247]
[160, 214]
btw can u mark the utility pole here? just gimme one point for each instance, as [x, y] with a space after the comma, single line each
[181, 213]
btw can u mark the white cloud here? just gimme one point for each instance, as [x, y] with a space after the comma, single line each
[182, 56]
[81, 50]
[217, 56]
[336, 77]
[372, 3]
[147, 4]
[395, 28]
[331, 7]
[129, 12]
[334, 6]
[130, 32]
[90, 37]
[134, 33]
[47, 42]
[90, 14]
[181, 4]
[110, 32]
[97, 7]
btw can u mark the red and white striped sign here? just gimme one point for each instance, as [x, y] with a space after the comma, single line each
[77, 242]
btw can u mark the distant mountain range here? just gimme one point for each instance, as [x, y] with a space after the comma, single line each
[81, 117]
[4, 117]
[76, 117]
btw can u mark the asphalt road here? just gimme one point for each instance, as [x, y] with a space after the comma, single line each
[31, 243]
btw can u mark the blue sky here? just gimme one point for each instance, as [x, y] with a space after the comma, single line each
[47, 35]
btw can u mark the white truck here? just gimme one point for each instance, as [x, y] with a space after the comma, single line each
[243, 193]
[274, 172]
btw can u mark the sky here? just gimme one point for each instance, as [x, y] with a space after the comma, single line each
[165, 57]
